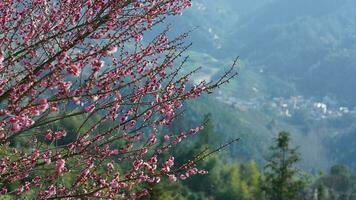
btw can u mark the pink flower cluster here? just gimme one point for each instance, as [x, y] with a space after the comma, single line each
[80, 91]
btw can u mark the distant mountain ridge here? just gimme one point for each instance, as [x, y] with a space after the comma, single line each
[311, 43]
[287, 48]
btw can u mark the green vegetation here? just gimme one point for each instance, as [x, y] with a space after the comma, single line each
[287, 48]
[282, 178]
[338, 184]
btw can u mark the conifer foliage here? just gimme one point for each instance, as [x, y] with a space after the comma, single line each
[283, 180]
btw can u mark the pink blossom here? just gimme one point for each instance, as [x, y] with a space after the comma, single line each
[168, 164]
[203, 172]
[1, 61]
[51, 190]
[90, 108]
[138, 37]
[3, 191]
[2, 134]
[84, 173]
[74, 69]
[70, 146]
[166, 138]
[170, 161]
[114, 152]
[60, 134]
[95, 97]
[191, 172]
[12, 120]
[53, 108]
[110, 167]
[20, 190]
[140, 86]
[153, 160]
[143, 193]
[15, 127]
[152, 138]
[97, 65]
[49, 135]
[76, 100]
[132, 124]
[43, 101]
[35, 154]
[148, 114]
[1, 58]
[60, 166]
[114, 184]
[137, 164]
[111, 50]
[36, 179]
[172, 178]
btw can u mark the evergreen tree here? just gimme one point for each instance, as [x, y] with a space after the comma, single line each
[282, 178]
[322, 192]
[208, 134]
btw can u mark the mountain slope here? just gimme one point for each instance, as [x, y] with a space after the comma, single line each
[297, 58]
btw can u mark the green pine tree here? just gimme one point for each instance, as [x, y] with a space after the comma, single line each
[322, 192]
[282, 179]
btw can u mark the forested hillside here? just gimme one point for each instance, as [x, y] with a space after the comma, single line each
[178, 99]
[296, 72]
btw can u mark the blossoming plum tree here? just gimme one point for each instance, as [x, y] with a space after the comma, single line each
[62, 59]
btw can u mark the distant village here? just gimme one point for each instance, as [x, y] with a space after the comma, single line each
[327, 108]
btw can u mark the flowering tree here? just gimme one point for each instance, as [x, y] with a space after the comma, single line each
[85, 59]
